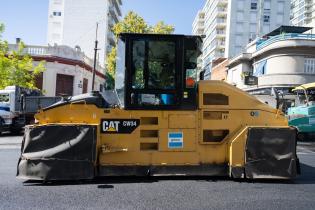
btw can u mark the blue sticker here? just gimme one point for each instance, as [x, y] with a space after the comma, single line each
[175, 140]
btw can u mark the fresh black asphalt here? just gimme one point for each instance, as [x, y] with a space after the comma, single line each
[158, 193]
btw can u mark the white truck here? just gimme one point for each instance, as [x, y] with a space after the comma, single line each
[18, 106]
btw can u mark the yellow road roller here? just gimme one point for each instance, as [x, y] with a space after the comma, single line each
[159, 121]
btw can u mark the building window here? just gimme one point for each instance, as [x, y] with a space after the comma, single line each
[266, 18]
[309, 66]
[253, 5]
[260, 68]
[57, 13]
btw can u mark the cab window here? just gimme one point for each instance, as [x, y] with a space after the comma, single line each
[4, 98]
[153, 73]
[161, 65]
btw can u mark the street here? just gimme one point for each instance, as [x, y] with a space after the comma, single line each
[155, 193]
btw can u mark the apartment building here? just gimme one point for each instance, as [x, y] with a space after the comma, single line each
[73, 23]
[199, 23]
[303, 13]
[230, 25]
[249, 19]
[215, 13]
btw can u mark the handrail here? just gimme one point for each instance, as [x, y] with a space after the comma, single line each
[283, 37]
[58, 51]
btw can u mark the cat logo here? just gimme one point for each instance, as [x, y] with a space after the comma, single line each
[110, 126]
[119, 126]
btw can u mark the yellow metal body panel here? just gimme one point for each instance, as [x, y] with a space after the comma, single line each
[148, 144]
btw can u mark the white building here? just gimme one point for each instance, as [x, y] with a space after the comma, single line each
[68, 71]
[231, 25]
[303, 13]
[249, 19]
[215, 13]
[73, 23]
[199, 23]
[285, 59]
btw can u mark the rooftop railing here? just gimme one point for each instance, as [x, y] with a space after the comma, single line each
[282, 37]
[57, 51]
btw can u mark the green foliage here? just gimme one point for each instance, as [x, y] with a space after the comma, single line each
[16, 68]
[133, 23]
[111, 61]
[161, 28]
[110, 82]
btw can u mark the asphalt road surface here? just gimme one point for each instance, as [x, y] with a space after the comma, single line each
[155, 193]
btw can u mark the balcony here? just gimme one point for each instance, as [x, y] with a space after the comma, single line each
[222, 9]
[111, 23]
[111, 38]
[223, 3]
[283, 37]
[113, 13]
[116, 5]
[220, 34]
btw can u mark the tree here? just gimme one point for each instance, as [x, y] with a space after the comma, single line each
[132, 23]
[111, 65]
[161, 28]
[16, 67]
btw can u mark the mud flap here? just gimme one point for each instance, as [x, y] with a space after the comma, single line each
[271, 153]
[58, 152]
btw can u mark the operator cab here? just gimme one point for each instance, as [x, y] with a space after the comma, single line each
[157, 71]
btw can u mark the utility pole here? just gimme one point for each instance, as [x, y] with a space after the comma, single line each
[95, 55]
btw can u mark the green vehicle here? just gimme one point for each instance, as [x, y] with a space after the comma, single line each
[302, 114]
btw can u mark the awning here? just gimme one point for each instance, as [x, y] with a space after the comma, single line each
[260, 69]
[305, 86]
[288, 29]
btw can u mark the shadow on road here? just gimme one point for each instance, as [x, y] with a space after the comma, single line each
[105, 182]
[307, 177]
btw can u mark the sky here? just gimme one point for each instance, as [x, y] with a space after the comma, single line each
[27, 19]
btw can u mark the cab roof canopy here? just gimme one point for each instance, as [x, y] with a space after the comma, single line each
[122, 35]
